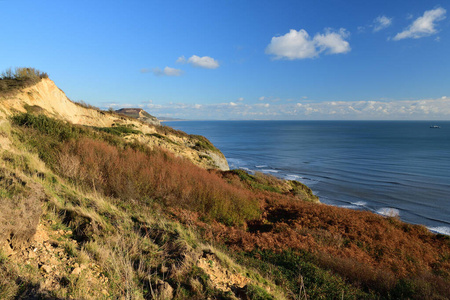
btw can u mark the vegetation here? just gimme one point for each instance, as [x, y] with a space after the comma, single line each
[21, 209]
[133, 222]
[12, 81]
[118, 130]
[202, 143]
[166, 130]
[87, 105]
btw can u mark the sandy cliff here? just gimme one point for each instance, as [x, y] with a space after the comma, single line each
[46, 98]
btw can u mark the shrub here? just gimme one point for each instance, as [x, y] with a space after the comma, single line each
[131, 174]
[12, 81]
[23, 74]
[58, 129]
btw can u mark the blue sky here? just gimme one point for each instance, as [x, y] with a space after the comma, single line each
[234, 59]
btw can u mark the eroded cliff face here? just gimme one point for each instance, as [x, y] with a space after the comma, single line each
[140, 114]
[46, 98]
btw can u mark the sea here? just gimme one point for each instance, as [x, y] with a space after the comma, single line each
[392, 168]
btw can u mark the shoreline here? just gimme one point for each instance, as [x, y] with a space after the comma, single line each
[359, 205]
[345, 172]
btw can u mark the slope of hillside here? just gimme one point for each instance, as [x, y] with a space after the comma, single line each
[89, 214]
[45, 97]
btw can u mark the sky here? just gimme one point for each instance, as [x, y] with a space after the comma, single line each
[235, 59]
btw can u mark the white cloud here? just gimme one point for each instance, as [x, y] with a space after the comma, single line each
[428, 109]
[181, 60]
[424, 25]
[240, 99]
[381, 22]
[332, 42]
[261, 98]
[292, 45]
[168, 71]
[299, 45]
[201, 62]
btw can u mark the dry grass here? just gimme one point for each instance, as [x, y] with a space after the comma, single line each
[20, 203]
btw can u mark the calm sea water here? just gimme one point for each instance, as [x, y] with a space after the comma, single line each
[388, 167]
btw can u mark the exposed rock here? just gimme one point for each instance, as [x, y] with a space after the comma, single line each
[221, 278]
[140, 114]
[164, 290]
[31, 254]
[76, 271]
[219, 160]
[7, 250]
[46, 268]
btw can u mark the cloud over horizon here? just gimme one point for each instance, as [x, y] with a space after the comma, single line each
[423, 26]
[426, 109]
[299, 45]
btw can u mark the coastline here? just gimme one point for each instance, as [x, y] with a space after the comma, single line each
[364, 183]
[361, 206]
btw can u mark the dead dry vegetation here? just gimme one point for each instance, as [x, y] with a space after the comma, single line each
[125, 221]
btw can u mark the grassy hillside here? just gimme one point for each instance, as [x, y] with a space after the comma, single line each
[109, 218]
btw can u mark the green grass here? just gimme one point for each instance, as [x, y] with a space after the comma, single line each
[256, 182]
[202, 143]
[118, 130]
[287, 266]
[57, 129]
[257, 293]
